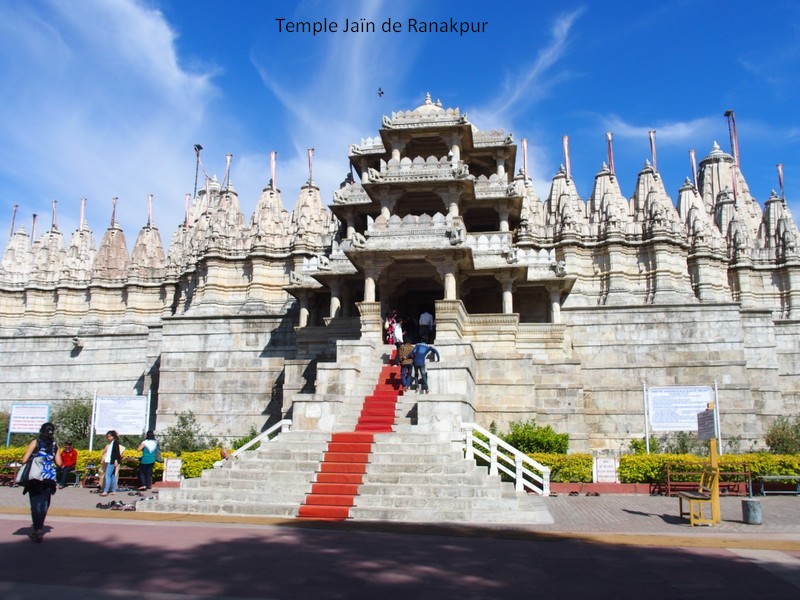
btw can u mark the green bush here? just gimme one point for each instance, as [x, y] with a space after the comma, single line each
[783, 436]
[566, 468]
[639, 445]
[528, 437]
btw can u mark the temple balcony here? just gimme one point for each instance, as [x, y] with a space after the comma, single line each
[494, 187]
[368, 146]
[418, 170]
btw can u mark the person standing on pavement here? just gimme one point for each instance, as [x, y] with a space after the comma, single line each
[69, 458]
[418, 355]
[44, 449]
[148, 448]
[111, 460]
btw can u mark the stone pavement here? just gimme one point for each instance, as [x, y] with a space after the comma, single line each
[610, 546]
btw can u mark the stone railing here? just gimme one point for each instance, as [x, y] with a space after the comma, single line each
[408, 225]
[419, 169]
[368, 146]
[351, 194]
[406, 119]
[494, 187]
[489, 139]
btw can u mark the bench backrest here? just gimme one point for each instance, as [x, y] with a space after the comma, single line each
[709, 480]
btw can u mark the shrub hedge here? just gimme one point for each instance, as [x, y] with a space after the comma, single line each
[565, 468]
[192, 466]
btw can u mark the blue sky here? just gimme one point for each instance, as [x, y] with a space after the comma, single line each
[103, 98]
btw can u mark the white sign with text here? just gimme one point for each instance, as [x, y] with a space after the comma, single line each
[127, 415]
[28, 418]
[676, 408]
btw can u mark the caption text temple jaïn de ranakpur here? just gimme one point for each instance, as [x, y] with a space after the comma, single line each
[555, 309]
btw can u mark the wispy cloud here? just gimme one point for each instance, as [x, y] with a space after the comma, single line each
[675, 132]
[522, 89]
[328, 107]
[98, 106]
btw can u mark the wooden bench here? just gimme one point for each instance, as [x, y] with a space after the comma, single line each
[762, 479]
[700, 496]
[8, 473]
[731, 483]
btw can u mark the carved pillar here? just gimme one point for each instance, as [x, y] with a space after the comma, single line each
[369, 288]
[502, 212]
[336, 288]
[447, 271]
[303, 321]
[364, 171]
[398, 143]
[555, 304]
[500, 159]
[507, 281]
[451, 199]
[793, 279]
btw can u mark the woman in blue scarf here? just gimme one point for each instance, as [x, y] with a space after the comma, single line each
[44, 450]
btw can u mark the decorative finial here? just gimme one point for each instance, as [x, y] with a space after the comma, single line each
[83, 212]
[13, 216]
[54, 224]
[310, 173]
[428, 98]
[273, 184]
[149, 210]
[114, 211]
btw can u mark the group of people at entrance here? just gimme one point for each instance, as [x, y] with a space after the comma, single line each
[410, 356]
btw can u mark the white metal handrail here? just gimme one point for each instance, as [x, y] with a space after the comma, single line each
[522, 468]
[283, 425]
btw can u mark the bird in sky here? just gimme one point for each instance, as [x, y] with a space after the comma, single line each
[380, 92]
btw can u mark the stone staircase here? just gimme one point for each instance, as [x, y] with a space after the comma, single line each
[381, 470]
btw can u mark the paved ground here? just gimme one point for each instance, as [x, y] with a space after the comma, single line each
[611, 546]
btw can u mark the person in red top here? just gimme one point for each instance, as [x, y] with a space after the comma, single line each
[69, 458]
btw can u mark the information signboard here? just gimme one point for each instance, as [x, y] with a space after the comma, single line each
[606, 469]
[28, 418]
[676, 408]
[127, 415]
[706, 425]
[172, 469]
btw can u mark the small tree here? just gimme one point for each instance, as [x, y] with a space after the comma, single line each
[187, 435]
[529, 437]
[783, 436]
[73, 421]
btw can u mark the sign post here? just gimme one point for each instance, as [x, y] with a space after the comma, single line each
[707, 431]
[27, 418]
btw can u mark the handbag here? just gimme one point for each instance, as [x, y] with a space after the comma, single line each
[31, 470]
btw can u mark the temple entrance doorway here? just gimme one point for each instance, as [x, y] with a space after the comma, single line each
[416, 297]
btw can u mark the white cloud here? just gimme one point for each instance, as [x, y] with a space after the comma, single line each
[523, 89]
[100, 107]
[675, 132]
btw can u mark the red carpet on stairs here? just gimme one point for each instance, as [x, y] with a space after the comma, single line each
[344, 463]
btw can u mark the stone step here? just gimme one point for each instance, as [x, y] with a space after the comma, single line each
[377, 490]
[229, 507]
